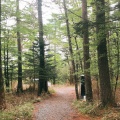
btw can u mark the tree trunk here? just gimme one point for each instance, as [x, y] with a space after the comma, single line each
[2, 94]
[105, 86]
[34, 66]
[19, 86]
[71, 77]
[80, 60]
[6, 62]
[118, 57]
[54, 76]
[7, 77]
[70, 50]
[118, 60]
[88, 87]
[42, 85]
[5, 72]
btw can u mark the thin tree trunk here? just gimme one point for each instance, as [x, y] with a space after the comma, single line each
[11, 75]
[80, 60]
[88, 87]
[5, 72]
[71, 77]
[19, 86]
[70, 50]
[54, 77]
[7, 75]
[34, 66]
[2, 94]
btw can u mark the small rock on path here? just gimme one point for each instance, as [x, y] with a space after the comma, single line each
[59, 106]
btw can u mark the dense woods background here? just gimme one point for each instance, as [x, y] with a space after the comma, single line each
[80, 37]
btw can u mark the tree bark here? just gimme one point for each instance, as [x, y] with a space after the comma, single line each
[88, 87]
[105, 86]
[7, 76]
[42, 85]
[70, 50]
[2, 94]
[54, 76]
[19, 86]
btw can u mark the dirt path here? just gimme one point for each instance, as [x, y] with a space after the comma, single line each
[58, 107]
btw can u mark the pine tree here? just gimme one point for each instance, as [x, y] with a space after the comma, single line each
[88, 87]
[2, 94]
[19, 86]
[105, 86]
[42, 85]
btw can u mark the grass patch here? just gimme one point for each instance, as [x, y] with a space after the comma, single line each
[18, 107]
[21, 112]
[107, 113]
[21, 107]
[83, 106]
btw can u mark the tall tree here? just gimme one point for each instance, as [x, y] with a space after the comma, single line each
[7, 77]
[19, 86]
[2, 94]
[6, 62]
[88, 87]
[105, 87]
[42, 85]
[70, 49]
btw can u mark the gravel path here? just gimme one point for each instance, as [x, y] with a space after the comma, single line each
[58, 107]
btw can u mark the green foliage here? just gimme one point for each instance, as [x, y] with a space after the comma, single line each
[83, 106]
[78, 28]
[63, 73]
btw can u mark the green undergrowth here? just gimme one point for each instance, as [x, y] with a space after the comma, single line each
[97, 113]
[21, 112]
[20, 107]
[83, 106]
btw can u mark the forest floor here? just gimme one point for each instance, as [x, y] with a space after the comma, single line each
[61, 104]
[58, 106]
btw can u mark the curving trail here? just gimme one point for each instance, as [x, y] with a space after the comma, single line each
[59, 106]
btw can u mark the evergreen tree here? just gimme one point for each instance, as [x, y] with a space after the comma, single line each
[19, 86]
[105, 86]
[42, 85]
[2, 94]
[88, 87]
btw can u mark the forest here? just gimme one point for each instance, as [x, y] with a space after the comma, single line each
[57, 41]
